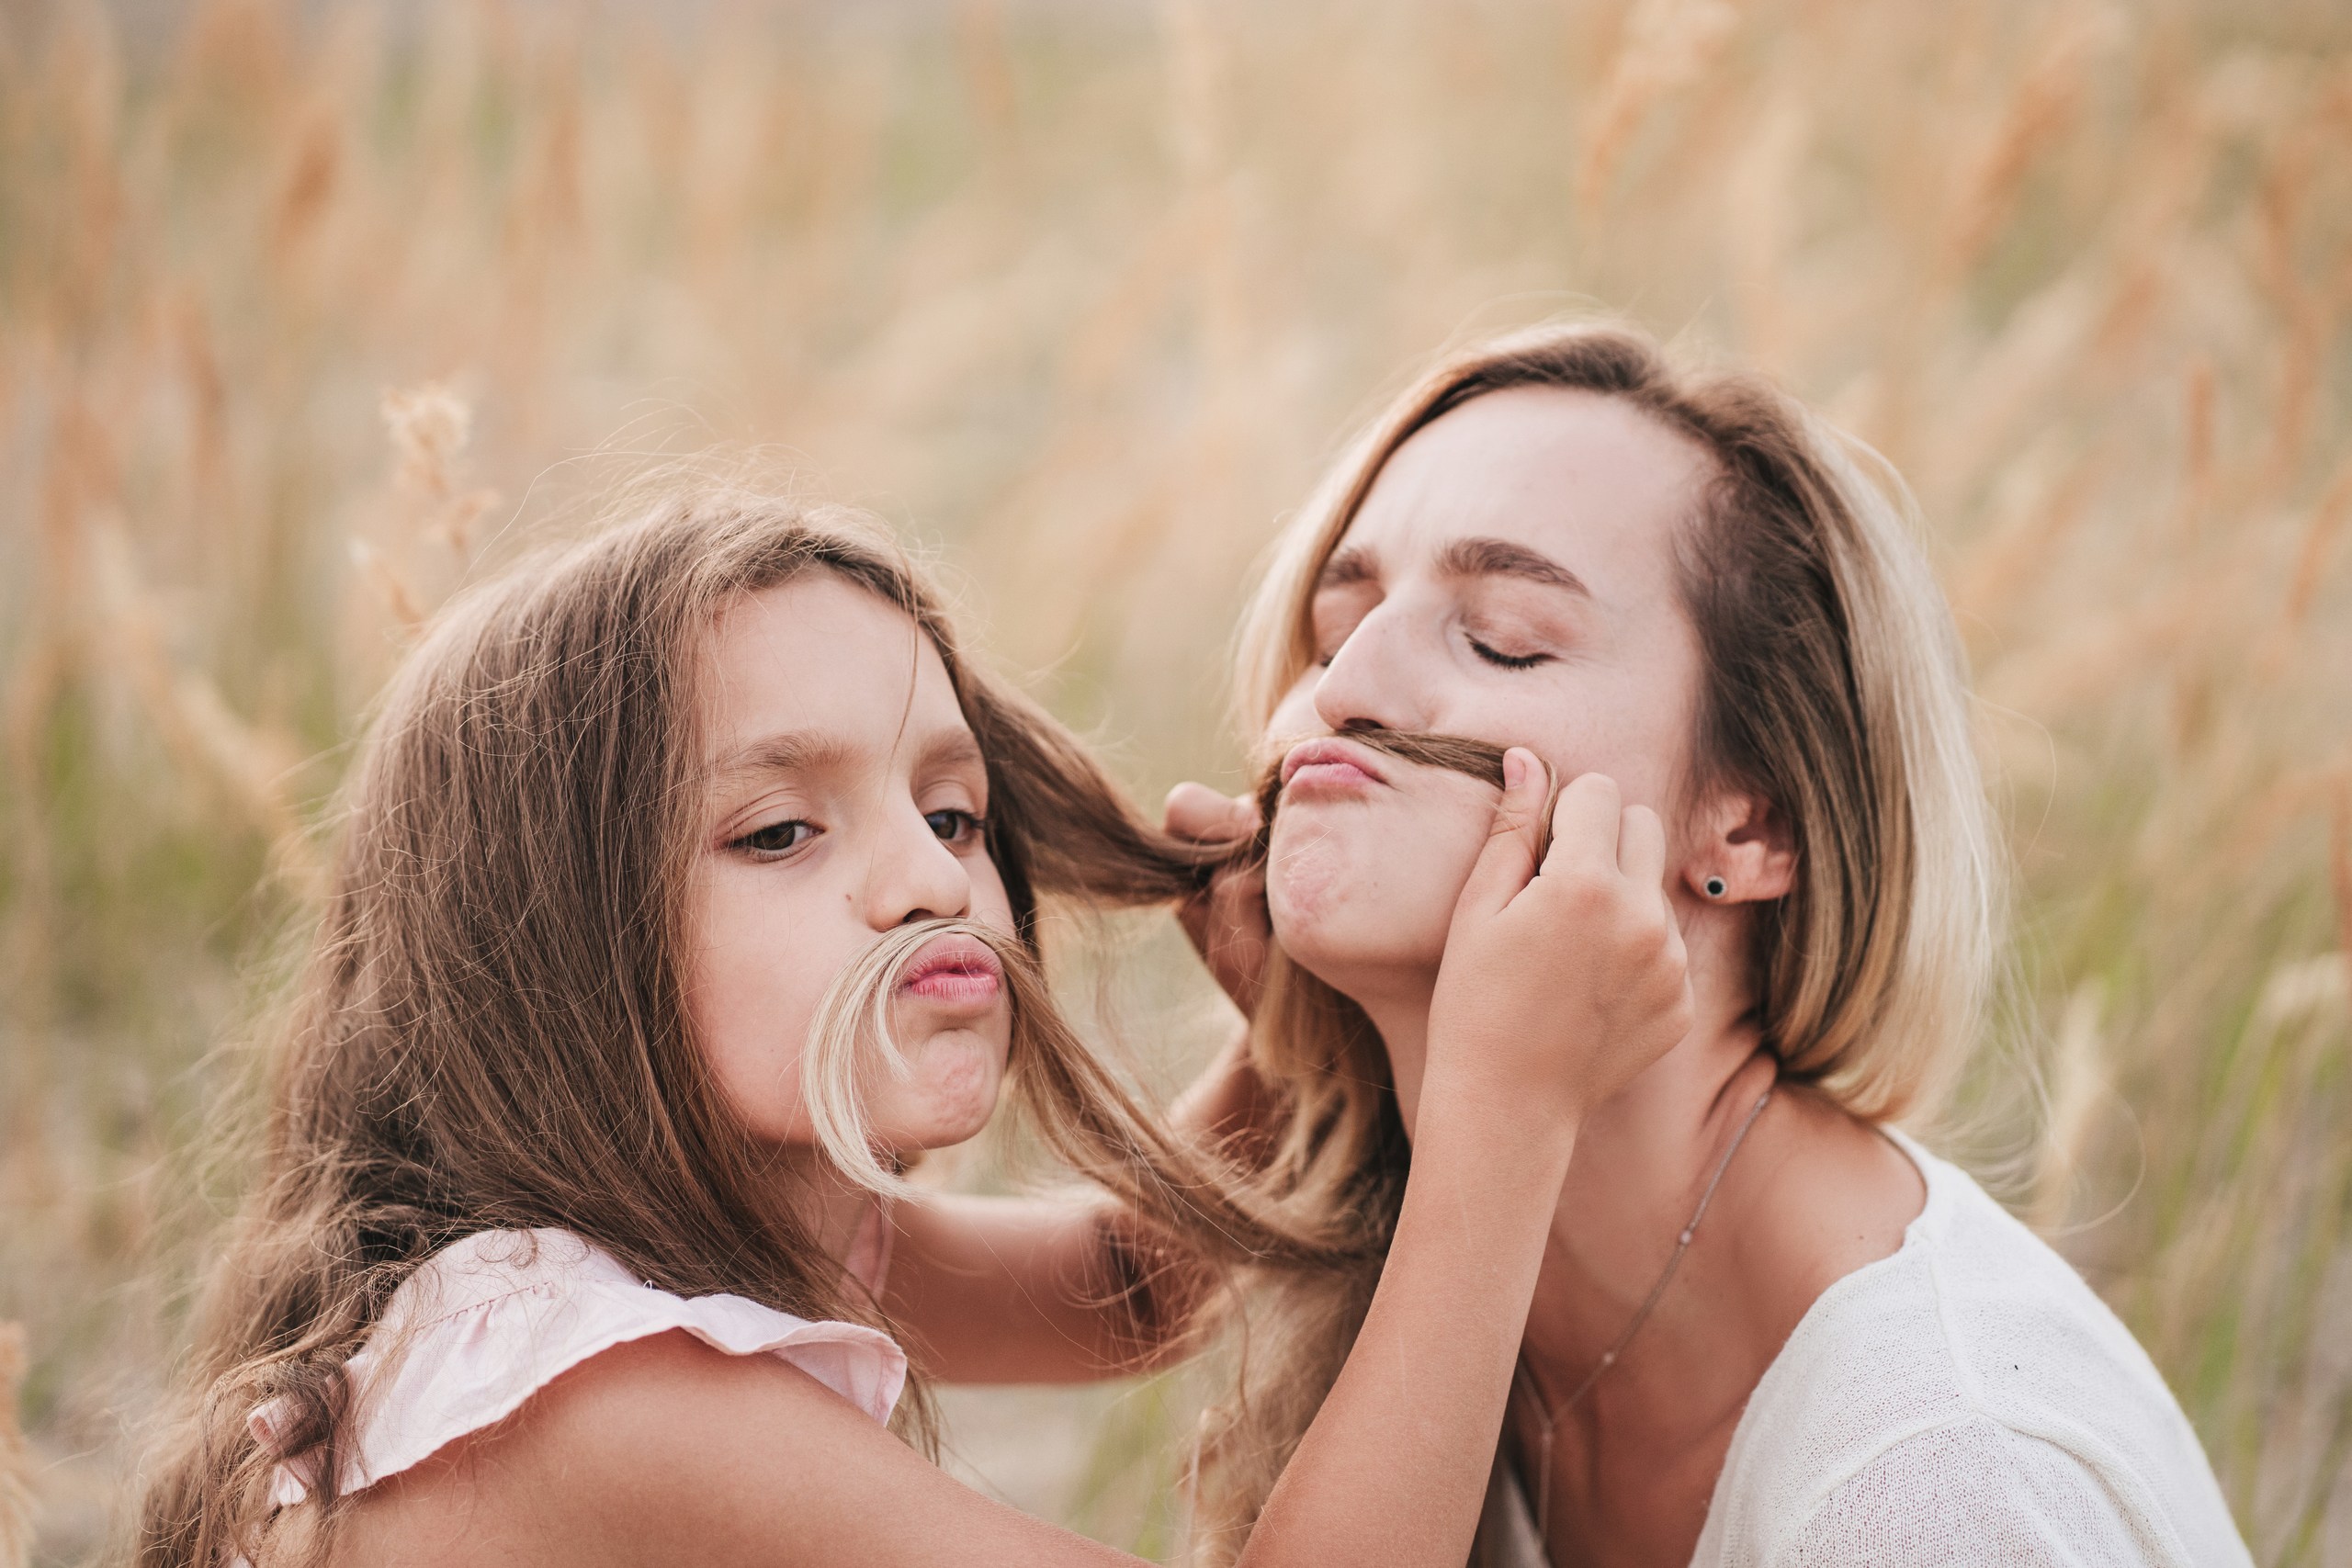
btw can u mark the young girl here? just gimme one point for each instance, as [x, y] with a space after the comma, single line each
[687, 891]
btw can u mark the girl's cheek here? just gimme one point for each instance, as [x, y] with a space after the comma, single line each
[753, 989]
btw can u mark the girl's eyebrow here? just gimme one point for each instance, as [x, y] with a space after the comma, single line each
[952, 745]
[799, 752]
[792, 752]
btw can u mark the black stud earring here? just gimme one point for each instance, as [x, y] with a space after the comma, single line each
[1716, 887]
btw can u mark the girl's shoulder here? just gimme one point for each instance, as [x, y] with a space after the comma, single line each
[490, 1319]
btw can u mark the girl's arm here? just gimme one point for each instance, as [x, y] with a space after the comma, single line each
[1043, 1289]
[1026, 1289]
[1052, 1288]
[669, 1450]
[1555, 990]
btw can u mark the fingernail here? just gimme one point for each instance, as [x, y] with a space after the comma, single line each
[1514, 768]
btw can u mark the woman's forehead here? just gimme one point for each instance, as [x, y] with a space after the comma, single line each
[1571, 475]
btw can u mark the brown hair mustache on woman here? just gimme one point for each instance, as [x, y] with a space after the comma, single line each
[1456, 753]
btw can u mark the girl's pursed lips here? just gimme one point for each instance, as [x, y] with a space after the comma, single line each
[954, 969]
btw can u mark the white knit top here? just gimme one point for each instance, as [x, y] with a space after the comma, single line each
[1965, 1399]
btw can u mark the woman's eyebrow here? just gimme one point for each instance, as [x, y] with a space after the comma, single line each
[1353, 564]
[1500, 558]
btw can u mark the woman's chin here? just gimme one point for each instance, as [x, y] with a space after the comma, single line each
[1356, 952]
[1355, 931]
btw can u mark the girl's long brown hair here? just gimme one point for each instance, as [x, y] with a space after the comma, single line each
[490, 1032]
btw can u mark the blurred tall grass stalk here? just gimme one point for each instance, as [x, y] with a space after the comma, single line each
[1085, 292]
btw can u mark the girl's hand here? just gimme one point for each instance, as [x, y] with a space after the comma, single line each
[1228, 921]
[1560, 983]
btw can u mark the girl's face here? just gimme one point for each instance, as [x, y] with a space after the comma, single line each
[846, 796]
[1509, 577]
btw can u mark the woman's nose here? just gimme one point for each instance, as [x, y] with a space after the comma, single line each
[1372, 682]
[914, 877]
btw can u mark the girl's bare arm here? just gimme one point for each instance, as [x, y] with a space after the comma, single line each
[669, 1450]
[1059, 1287]
[1047, 1289]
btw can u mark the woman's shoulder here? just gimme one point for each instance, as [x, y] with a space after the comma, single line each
[1975, 1350]
[490, 1320]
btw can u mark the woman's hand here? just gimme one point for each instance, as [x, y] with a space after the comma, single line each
[1564, 969]
[1226, 921]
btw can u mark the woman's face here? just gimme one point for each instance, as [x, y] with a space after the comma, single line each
[1509, 577]
[846, 795]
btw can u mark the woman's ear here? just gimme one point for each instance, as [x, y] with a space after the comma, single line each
[1741, 851]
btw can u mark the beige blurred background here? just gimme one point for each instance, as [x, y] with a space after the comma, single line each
[306, 309]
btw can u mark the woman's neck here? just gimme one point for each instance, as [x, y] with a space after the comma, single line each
[1810, 1195]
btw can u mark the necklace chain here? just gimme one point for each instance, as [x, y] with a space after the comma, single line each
[1548, 1415]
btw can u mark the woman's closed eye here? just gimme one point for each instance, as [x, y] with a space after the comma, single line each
[1502, 659]
[776, 840]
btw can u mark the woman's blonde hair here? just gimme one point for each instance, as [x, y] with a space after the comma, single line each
[1832, 686]
[491, 1032]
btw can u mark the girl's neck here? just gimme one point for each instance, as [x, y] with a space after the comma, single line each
[827, 1207]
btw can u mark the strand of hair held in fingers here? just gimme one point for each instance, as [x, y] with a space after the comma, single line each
[1457, 753]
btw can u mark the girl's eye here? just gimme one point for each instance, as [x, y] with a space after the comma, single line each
[776, 838]
[1508, 661]
[954, 826]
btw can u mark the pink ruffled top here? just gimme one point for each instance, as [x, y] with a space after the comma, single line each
[488, 1321]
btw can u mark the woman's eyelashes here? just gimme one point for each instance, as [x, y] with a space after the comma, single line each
[1501, 660]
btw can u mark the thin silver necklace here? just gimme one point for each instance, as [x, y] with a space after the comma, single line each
[1548, 1415]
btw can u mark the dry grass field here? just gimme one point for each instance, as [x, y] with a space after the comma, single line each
[306, 308]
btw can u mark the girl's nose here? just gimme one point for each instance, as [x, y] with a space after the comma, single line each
[915, 877]
[1372, 682]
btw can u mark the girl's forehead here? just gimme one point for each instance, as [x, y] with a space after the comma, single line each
[820, 655]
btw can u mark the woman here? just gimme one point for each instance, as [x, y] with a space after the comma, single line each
[1768, 1328]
